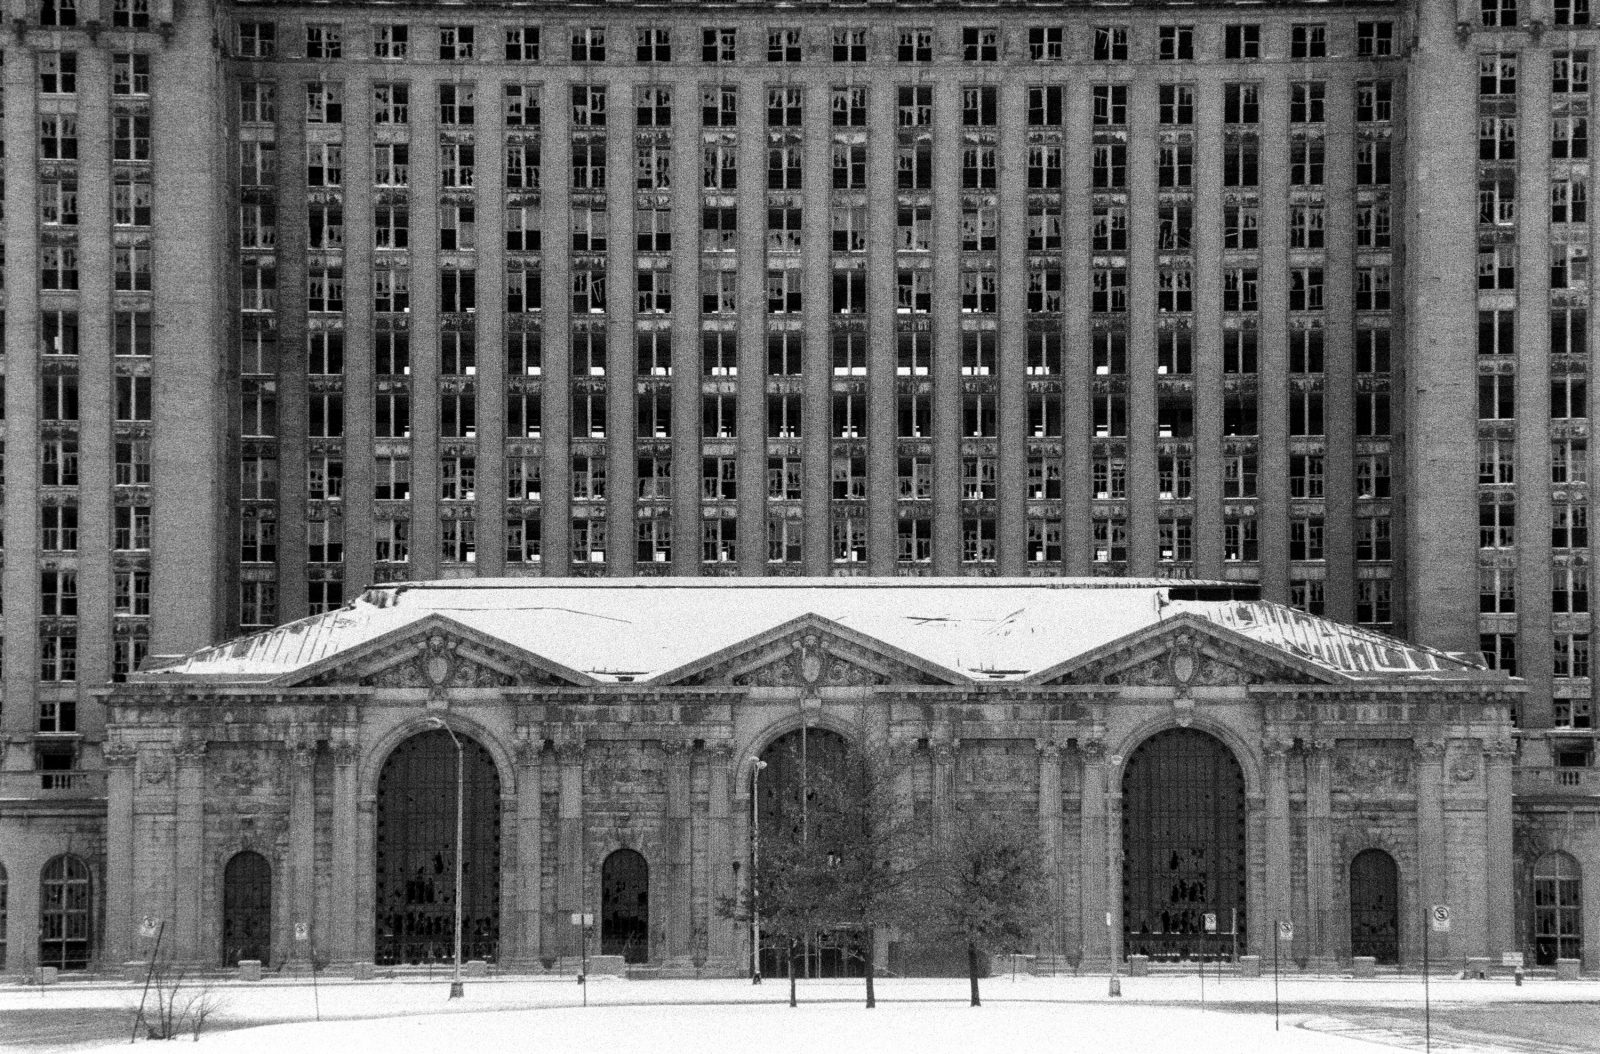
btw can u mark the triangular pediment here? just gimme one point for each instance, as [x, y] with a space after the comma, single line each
[810, 652]
[1184, 652]
[437, 653]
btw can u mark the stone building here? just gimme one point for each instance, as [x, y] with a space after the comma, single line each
[303, 297]
[1181, 750]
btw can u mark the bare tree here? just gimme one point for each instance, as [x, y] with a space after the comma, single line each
[869, 848]
[784, 891]
[984, 887]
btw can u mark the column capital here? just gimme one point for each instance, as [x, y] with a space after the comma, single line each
[677, 749]
[1322, 745]
[528, 750]
[1048, 749]
[190, 751]
[119, 754]
[1500, 749]
[1428, 749]
[346, 754]
[1276, 748]
[1092, 751]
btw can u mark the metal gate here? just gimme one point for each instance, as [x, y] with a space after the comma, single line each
[246, 909]
[1183, 840]
[625, 906]
[1375, 906]
[416, 853]
[65, 921]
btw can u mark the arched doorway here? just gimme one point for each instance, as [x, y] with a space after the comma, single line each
[1557, 909]
[65, 914]
[1183, 832]
[246, 909]
[625, 906]
[415, 857]
[1375, 906]
[797, 763]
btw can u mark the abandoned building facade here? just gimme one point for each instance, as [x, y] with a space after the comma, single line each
[301, 299]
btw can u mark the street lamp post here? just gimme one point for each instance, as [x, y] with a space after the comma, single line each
[457, 990]
[756, 765]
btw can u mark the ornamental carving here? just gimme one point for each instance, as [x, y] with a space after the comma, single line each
[995, 769]
[1372, 768]
[1185, 662]
[442, 662]
[1464, 769]
[810, 660]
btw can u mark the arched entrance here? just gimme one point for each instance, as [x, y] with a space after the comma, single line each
[1375, 906]
[795, 764]
[1557, 909]
[415, 857]
[1183, 841]
[246, 909]
[625, 906]
[65, 914]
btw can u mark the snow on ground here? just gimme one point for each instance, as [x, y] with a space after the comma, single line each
[733, 1017]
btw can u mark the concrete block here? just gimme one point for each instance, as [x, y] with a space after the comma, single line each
[135, 972]
[1364, 966]
[249, 969]
[1249, 966]
[1138, 966]
[1478, 968]
[1567, 969]
[607, 966]
[361, 971]
[474, 968]
[45, 975]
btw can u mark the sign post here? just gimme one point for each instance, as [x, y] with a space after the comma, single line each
[1284, 931]
[1438, 918]
[302, 935]
[583, 919]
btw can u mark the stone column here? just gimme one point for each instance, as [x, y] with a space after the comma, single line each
[188, 872]
[944, 775]
[530, 852]
[1428, 758]
[302, 850]
[120, 859]
[1094, 857]
[344, 910]
[1050, 840]
[677, 924]
[1277, 900]
[570, 864]
[1321, 938]
[721, 934]
[1500, 910]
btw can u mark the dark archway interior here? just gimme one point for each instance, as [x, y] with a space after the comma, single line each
[1375, 906]
[796, 762]
[416, 853]
[1183, 840]
[625, 906]
[246, 909]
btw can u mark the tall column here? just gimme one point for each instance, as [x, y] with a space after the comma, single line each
[1499, 759]
[120, 863]
[1428, 758]
[1094, 856]
[1438, 487]
[944, 769]
[530, 850]
[721, 935]
[1319, 851]
[680, 857]
[344, 911]
[570, 873]
[302, 847]
[1050, 840]
[1277, 900]
[188, 875]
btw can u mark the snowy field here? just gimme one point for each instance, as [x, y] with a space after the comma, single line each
[1320, 1016]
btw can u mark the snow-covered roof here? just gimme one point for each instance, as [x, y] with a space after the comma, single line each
[639, 629]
